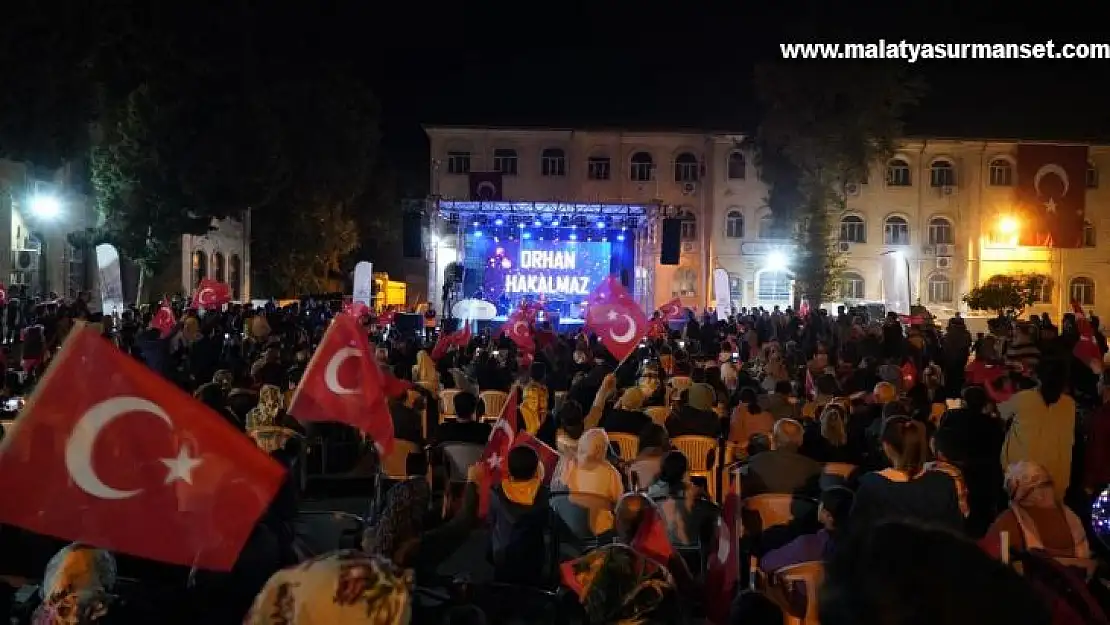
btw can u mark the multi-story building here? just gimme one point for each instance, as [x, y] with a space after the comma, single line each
[945, 206]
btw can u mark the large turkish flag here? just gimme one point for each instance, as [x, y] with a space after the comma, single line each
[109, 453]
[1051, 194]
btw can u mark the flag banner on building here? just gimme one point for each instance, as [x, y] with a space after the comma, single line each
[109, 279]
[364, 279]
[485, 186]
[1051, 194]
[722, 294]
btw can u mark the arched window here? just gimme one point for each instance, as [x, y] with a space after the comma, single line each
[766, 227]
[940, 289]
[686, 168]
[218, 271]
[1090, 239]
[940, 231]
[553, 162]
[1082, 290]
[597, 167]
[200, 266]
[685, 283]
[896, 231]
[235, 276]
[1092, 176]
[851, 285]
[505, 161]
[734, 225]
[853, 229]
[898, 173]
[642, 167]
[1044, 295]
[689, 225]
[1002, 173]
[942, 174]
[737, 166]
[772, 287]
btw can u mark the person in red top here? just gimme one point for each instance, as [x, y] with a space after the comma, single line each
[1096, 468]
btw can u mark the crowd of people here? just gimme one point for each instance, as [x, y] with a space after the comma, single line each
[913, 473]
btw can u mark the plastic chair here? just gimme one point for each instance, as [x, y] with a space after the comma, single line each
[494, 402]
[460, 457]
[271, 438]
[628, 444]
[843, 470]
[658, 414]
[316, 533]
[681, 382]
[447, 403]
[701, 456]
[811, 574]
[395, 465]
[573, 517]
[762, 512]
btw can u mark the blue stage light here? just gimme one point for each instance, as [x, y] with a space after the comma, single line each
[573, 237]
[475, 224]
[620, 237]
[537, 223]
[477, 234]
[520, 225]
[601, 224]
[555, 224]
[498, 222]
[574, 226]
[527, 235]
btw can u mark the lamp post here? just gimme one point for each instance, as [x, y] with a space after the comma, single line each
[45, 209]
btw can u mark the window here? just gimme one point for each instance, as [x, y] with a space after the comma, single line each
[1092, 176]
[218, 267]
[553, 162]
[1044, 295]
[940, 232]
[505, 161]
[689, 226]
[686, 168]
[851, 286]
[1002, 173]
[772, 286]
[942, 174]
[1083, 291]
[685, 283]
[235, 275]
[1089, 237]
[853, 229]
[458, 162]
[766, 227]
[734, 225]
[896, 231]
[940, 289]
[597, 168]
[200, 266]
[898, 173]
[737, 166]
[643, 167]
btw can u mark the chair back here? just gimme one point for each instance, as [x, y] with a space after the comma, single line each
[319, 532]
[681, 382]
[574, 513]
[843, 470]
[762, 512]
[494, 403]
[627, 444]
[658, 414]
[431, 387]
[395, 465]
[459, 457]
[701, 456]
[447, 402]
[810, 575]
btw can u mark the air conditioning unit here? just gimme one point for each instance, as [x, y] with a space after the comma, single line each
[689, 188]
[688, 247]
[25, 260]
[845, 247]
[944, 262]
[851, 188]
[946, 249]
[928, 250]
[947, 189]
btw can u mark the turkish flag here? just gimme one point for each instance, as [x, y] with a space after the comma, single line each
[458, 338]
[493, 457]
[110, 454]
[616, 318]
[723, 570]
[672, 310]
[164, 320]
[1086, 349]
[519, 331]
[211, 294]
[1051, 194]
[485, 186]
[343, 383]
[651, 537]
[355, 309]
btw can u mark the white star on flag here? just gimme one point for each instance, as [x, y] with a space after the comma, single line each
[181, 467]
[1050, 205]
[494, 461]
[612, 315]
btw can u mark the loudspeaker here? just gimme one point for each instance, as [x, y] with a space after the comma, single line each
[411, 236]
[626, 279]
[449, 324]
[671, 244]
[408, 323]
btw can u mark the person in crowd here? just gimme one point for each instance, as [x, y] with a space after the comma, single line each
[782, 469]
[1096, 465]
[268, 415]
[948, 451]
[694, 415]
[833, 511]
[688, 515]
[535, 398]
[906, 490]
[1042, 424]
[519, 512]
[826, 440]
[214, 396]
[653, 446]
[77, 587]
[407, 412]
[781, 403]
[626, 416]
[590, 473]
[749, 418]
[424, 372]
[464, 428]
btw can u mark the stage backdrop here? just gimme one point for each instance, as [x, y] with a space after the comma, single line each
[566, 270]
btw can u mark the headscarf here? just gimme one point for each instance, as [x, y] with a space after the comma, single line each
[224, 379]
[347, 587]
[701, 397]
[617, 584]
[426, 369]
[593, 447]
[885, 393]
[402, 519]
[632, 399]
[76, 586]
[270, 402]
[1030, 485]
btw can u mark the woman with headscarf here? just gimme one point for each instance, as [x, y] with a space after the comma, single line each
[589, 473]
[402, 520]
[424, 372]
[76, 587]
[268, 415]
[1042, 428]
[344, 588]
[1036, 518]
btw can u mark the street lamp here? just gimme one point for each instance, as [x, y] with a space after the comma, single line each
[46, 207]
[1008, 225]
[776, 261]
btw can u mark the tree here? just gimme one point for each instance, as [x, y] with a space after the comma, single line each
[821, 127]
[1007, 294]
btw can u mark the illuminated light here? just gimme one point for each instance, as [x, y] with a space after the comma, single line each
[477, 234]
[899, 256]
[537, 223]
[46, 206]
[601, 224]
[620, 237]
[520, 225]
[604, 238]
[499, 222]
[623, 228]
[776, 261]
[574, 226]
[475, 224]
[555, 224]
[1008, 225]
[499, 251]
[527, 235]
[496, 239]
[573, 237]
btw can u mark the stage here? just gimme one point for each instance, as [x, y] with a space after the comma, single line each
[563, 326]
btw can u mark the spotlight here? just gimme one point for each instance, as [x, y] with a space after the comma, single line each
[520, 225]
[573, 237]
[601, 225]
[555, 224]
[620, 237]
[499, 222]
[537, 223]
[475, 224]
[527, 235]
[574, 226]
[477, 234]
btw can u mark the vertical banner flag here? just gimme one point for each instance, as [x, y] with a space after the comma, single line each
[1051, 194]
[109, 279]
[364, 278]
[896, 283]
[723, 294]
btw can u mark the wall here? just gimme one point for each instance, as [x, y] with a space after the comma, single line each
[219, 249]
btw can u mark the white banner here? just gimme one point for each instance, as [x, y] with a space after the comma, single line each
[364, 280]
[723, 293]
[896, 283]
[109, 279]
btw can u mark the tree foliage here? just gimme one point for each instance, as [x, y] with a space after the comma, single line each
[821, 127]
[1007, 294]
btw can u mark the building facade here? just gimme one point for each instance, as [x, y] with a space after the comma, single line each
[944, 206]
[222, 254]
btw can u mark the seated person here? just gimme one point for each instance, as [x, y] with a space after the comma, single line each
[626, 416]
[589, 472]
[689, 516]
[408, 417]
[653, 445]
[519, 513]
[833, 511]
[464, 429]
[783, 469]
[695, 416]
